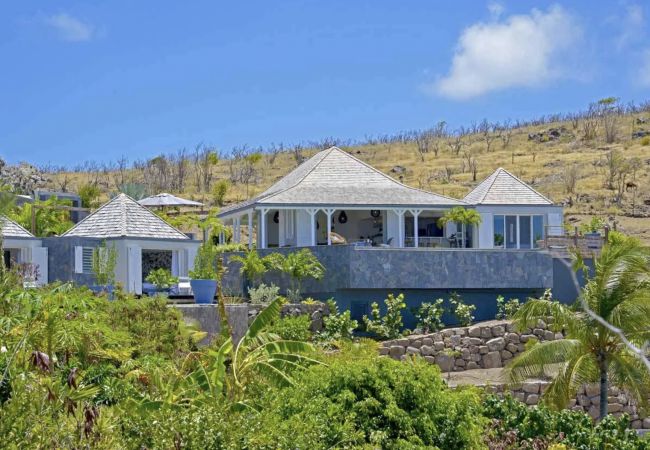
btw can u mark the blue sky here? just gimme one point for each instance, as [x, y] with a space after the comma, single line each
[98, 80]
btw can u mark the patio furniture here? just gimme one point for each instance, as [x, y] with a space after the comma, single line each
[183, 287]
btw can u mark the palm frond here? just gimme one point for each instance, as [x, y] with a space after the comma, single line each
[541, 357]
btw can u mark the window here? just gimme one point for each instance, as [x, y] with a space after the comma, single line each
[518, 231]
[87, 259]
[499, 232]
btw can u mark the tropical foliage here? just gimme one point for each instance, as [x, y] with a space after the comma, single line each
[161, 278]
[617, 290]
[429, 316]
[298, 266]
[464, 313]
[388, 326]
[48, 217]
[103, 264]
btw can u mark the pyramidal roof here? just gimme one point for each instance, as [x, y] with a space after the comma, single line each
[334, 177]
[12, 229]
[503, 188]
[124, 217]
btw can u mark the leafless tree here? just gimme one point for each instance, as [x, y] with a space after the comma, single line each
[504, 132]
[590, 123]
[456, 141]
[570, 177]
[120, 173]
[423, 143]
[487, 134]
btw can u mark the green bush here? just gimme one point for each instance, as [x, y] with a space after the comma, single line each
[507, 310]
[429, 316]
[513, 420]
[336, 325]
[361, 403]
[292, 328]
[390, 325]
[263, 294]
[463, 312]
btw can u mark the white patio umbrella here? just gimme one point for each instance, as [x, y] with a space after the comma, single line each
[165, 199]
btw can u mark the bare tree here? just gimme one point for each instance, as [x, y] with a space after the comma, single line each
[487, 134]
[570, 177]
[590, 123]
[456, 141]
[504, 132]
[422, 144]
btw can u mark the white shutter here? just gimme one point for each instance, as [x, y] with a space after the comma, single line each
[39, 258]
[134, 265]
[190, 254]
[175, 263]
[78, 260]
[486, 231]
[555, 224]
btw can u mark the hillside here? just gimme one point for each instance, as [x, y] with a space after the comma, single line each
[596, 163]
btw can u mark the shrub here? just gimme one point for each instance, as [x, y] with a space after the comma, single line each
[369, 403]
[462, 311]
[337, 325]
[514, 421]
[429, 316]
[161, 278]
[292, 328]
[263, 294]
[390, 325]
[506, 310]
[204, 263]
[103, 264]
[645, 140]
[219, 192]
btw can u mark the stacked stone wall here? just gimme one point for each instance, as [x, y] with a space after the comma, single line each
[483, 346]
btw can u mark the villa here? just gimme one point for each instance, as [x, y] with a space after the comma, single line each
[389, 239]
[143, 241]
[21, 247]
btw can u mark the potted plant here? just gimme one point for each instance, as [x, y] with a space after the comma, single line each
[204, 275]
[103, 267]
[593, 227]
[162, 279]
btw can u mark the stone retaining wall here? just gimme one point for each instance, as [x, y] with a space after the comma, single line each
[483, 346]
[588, 400]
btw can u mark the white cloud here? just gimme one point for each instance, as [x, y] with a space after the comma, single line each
[519, 51]
[70, 28]
[496, 9]
[632, 25]
[643, 74]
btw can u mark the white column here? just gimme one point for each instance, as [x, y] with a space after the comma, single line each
[416, 233]
[400, 226]
[250, 229]
[312, 223]
[262, 237]
[237, 230]
[329, 213]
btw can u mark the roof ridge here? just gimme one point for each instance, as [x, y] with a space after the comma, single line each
[494, 176]
[5, 218]
[78, 224]
[354, 158]
[520, 181]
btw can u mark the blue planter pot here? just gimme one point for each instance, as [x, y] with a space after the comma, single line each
[204, 290]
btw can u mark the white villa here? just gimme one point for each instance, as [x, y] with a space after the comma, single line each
[335, 198]
[142, 239]
[21, 247]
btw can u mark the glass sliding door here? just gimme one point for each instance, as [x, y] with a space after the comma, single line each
[499, 232]
[525, 232]
[511, 232]
[538, 229]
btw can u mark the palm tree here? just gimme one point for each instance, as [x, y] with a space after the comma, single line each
[253, 266]
[463, 216]
[618, 292]
[298, 265]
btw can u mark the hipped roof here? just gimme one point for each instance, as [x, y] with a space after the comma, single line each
[503, 188]
[124, 217]
[334, 177]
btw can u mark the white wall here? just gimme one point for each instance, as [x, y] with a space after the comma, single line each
[303, 228]
[553, 216]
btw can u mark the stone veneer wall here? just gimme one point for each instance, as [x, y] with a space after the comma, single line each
[588, 400]
[482, 346]
[315, 311]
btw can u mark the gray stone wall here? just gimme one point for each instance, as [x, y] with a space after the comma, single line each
[315, 311]
[587, 400]
[60, 255]
[349, 267]
[483, 346]
[207, 318]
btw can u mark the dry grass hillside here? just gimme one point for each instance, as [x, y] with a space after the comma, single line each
[595, 163]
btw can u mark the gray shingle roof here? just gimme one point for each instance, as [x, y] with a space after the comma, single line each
[12, 229]
[334, 177]
[124, 217]
[503, 188]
